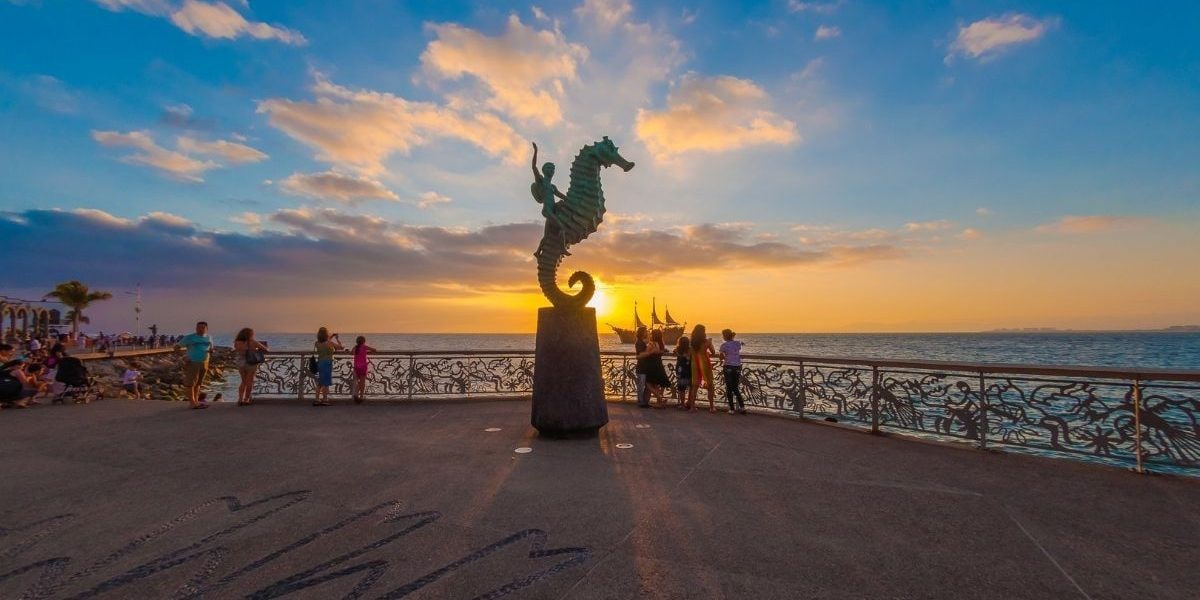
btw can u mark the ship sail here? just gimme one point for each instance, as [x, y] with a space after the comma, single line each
[654, 320]
[670, 321]
[671, 329]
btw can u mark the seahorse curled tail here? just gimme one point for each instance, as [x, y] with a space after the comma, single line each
[550, 254]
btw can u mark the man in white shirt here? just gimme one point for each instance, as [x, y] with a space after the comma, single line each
[131, 380]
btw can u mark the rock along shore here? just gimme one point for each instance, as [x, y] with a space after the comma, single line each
[162, 373]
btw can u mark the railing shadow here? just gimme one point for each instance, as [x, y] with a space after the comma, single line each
[1136, 418]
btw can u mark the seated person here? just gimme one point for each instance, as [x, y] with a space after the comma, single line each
[32, 381]
[18, 385]
[131, 380]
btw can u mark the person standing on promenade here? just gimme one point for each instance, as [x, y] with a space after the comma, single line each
[702, 353]
[360, 368]
[198, 346]
[683, 372]
[642, 349]
[248, 353]
[656, 374]
[325, 346]
[731, 356]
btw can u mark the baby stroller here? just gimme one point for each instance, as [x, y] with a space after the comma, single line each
[78, 386]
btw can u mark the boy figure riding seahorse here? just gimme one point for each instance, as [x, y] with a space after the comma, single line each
[544, 192]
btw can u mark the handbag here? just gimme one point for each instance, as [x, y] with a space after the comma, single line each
[312, 365]
[255, 357]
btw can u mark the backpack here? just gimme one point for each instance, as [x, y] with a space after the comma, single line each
[10, 387]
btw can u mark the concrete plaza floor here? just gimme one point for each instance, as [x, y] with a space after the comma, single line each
[146, 499]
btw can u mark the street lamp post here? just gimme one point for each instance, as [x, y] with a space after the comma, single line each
[137, 310]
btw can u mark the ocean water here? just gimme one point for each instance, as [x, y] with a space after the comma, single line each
[1175, 350]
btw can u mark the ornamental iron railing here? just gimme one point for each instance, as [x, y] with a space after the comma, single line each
[1146, 419]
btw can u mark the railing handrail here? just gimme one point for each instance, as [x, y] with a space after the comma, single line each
[985, 368]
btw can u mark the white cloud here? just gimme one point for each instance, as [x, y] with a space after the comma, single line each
[827, 32]
[175, 164]
[429, 199]
[50, 93]
[179, 163]
[207, 19]
[983, 211]
[231, 152]
[987, 38]
[523, 70]
[713, 114]
[1083, 224]
[359, 129]
[249, 219]
[149, 7]
[331, 185]
[821, 8]
[970, 234]
[605, 13]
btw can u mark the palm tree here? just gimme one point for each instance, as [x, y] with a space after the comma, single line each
[76, 296]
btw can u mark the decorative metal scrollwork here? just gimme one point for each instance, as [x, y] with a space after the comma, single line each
[1096, 419]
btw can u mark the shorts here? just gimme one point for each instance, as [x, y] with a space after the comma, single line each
[325, 373]
[130, 387]
[683, 383]
[194, 372]
[360, 372]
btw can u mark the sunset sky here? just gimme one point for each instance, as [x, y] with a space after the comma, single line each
[801, 166]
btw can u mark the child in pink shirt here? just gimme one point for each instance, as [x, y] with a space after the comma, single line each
[360, 368]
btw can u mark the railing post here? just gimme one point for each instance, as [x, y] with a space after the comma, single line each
[624, 378]
[983, 408]
[300, 374]
[875, 399]
[1137, 422]
[803, 398]
[410, 376]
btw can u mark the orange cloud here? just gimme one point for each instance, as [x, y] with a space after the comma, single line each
[208, 19]
[218, 20]
[713, 114]
[231, 152]
[175, 164]
[523, 70]
[332, 185]
[179, 163]
[1073, 224]
[359, 129]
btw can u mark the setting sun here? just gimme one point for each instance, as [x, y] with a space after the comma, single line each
[602, 301]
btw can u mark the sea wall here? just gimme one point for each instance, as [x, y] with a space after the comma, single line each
[162, 373]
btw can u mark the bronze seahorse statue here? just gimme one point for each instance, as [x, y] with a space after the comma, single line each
[572, 219]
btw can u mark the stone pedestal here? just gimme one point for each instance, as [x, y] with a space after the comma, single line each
[568, 390]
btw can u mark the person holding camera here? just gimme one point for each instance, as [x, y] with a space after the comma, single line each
[325, 346]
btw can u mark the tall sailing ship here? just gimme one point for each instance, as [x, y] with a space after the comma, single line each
[671, 329]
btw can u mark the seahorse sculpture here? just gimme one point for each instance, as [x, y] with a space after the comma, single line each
[572, 219]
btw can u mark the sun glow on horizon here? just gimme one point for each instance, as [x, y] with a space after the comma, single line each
[602, 301]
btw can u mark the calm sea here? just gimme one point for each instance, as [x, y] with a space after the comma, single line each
[1123, 349]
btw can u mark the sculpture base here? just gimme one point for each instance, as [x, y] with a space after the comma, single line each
[568, 389]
